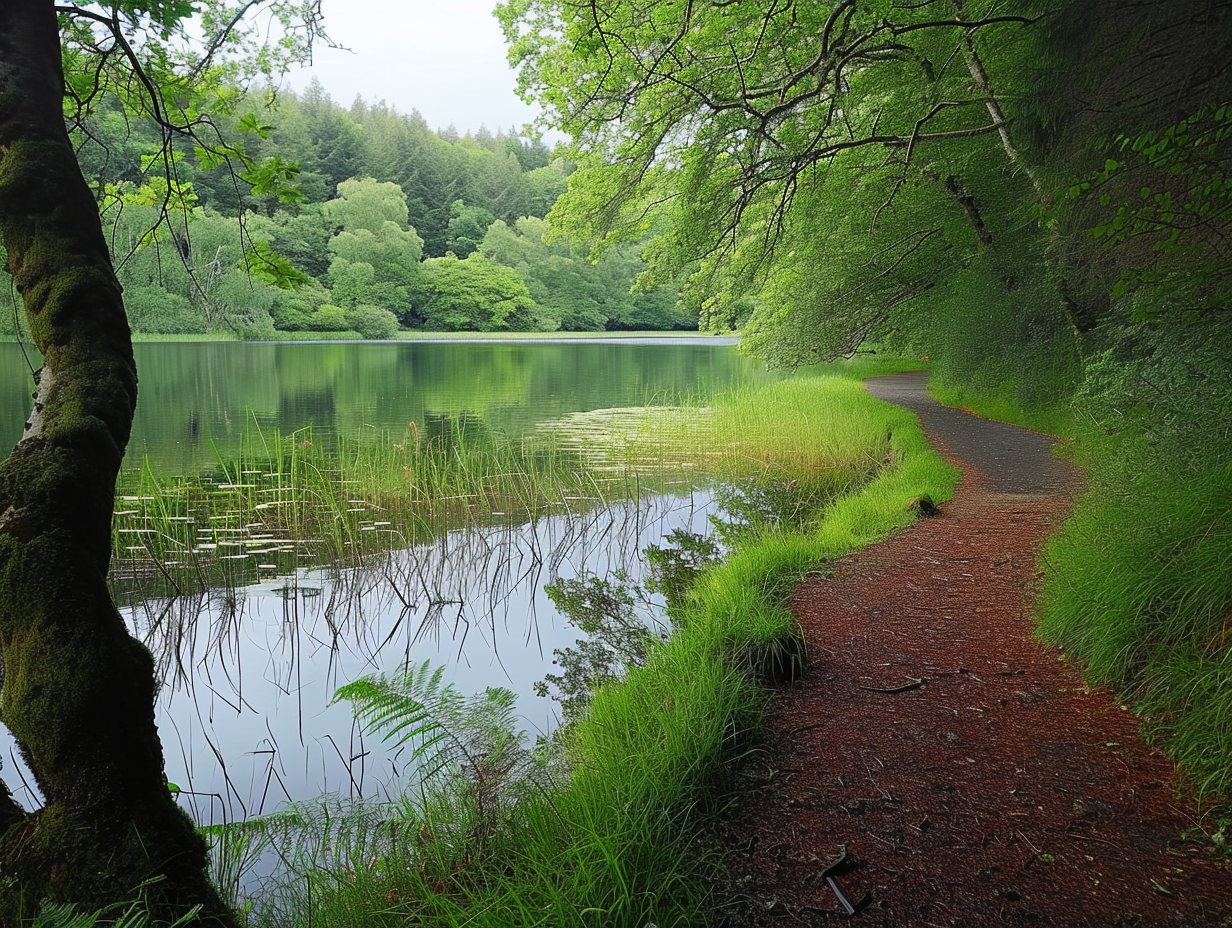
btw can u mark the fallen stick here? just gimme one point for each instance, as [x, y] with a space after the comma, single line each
[914, 684]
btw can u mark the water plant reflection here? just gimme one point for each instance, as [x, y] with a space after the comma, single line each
[311, 499]
[249, 672]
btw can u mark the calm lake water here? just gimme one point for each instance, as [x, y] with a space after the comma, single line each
[248, 674]
[195, 396]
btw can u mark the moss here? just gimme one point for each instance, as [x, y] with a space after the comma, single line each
[78, 856]
[79, 693]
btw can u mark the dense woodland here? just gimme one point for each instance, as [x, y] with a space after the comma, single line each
[391, 226]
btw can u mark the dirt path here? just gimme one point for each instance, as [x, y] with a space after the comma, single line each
[972, 775]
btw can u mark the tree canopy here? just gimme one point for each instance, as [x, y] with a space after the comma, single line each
[863, 169]
[345, 173]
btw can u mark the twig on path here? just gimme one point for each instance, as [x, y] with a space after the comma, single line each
[804, 728]
[914, 684]
[1070, 834]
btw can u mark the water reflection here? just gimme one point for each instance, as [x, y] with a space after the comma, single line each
[198, 399]
[248, 674]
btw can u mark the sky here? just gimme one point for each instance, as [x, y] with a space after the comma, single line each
[445, 58]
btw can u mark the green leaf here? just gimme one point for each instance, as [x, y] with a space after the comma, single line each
[265, 264]
[249, 123]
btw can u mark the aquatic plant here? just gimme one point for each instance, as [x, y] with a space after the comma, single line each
[305, 499]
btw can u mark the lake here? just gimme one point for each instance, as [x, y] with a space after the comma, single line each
[198, 396]
[248, 673]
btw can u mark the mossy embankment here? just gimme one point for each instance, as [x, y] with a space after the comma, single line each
[619, 836]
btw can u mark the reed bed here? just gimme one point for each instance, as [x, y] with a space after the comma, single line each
[306, 499]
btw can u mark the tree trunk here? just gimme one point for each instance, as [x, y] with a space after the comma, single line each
[78, 691]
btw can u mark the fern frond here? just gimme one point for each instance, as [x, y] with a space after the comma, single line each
[63, 915]
[409, 710]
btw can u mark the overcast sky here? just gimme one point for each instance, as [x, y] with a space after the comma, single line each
[445, 58]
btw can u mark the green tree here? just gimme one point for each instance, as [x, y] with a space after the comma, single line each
[336, 147]
[78, 691]
[475, 295]
[301, 235]
[295, 310]
[375, 253]
[371, 322]
[578, 294]
[565, 289]
[707, 124]
[366, 204]
[467, 225]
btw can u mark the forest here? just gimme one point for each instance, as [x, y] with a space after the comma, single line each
[392, 226]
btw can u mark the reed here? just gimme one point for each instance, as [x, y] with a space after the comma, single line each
[306, 499]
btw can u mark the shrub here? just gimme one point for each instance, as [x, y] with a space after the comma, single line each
[371, 321]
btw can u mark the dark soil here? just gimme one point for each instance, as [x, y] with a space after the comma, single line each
[972, 775]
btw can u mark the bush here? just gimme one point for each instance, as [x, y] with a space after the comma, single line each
[154, 310]
[292, 310]
[371, 321]
[327, 319]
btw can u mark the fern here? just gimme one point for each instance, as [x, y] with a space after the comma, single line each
[412, 710]
[133, 913]
[468, 765]
[63, 915]
[444, 731]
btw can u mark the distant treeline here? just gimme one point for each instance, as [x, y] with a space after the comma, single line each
[394, 226]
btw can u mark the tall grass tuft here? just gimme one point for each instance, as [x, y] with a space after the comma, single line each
[1139, 586]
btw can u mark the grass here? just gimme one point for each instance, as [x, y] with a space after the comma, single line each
[1051, 418]
[620, 838]
[1138, 585]
[305, 499]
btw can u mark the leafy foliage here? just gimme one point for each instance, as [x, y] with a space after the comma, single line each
[474, 295]
[319, 198]
[726, 128]
[443, 734]
[617, 638]
[621, 619]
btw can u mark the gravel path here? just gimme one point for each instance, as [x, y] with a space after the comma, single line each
[972, 776]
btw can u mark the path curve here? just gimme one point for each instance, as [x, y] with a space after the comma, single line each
[973, 776]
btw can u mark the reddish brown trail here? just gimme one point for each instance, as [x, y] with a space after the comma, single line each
[972, 775]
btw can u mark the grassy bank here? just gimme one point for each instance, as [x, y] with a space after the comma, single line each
[1137, 584]
[612, 831]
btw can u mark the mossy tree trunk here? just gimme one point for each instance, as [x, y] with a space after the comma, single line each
[78, 691]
